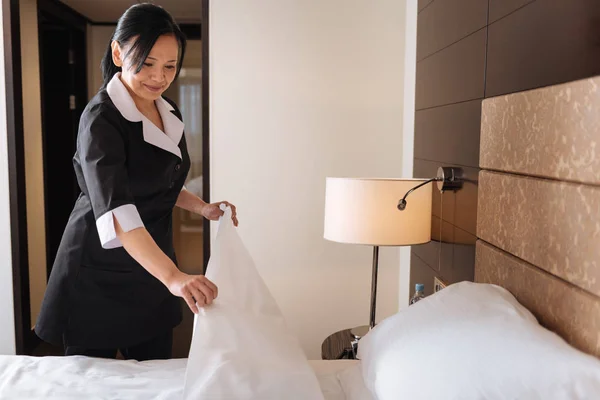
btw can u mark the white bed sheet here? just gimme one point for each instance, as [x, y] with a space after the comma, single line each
[77, 377]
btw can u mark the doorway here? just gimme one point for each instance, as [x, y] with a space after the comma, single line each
[63, 82]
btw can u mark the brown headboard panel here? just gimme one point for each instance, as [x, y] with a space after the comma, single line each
[539, 205]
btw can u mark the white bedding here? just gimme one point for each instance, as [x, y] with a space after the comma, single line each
[37, 378]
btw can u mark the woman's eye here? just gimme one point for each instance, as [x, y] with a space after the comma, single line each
[169, 67]
[147, 64]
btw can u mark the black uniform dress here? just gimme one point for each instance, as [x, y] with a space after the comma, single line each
[98, 296]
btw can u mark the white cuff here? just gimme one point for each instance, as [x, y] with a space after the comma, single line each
[129, 219]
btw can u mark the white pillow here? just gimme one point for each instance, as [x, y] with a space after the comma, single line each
[473, 341]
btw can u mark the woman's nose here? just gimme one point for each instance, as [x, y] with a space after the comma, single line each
[156, 74]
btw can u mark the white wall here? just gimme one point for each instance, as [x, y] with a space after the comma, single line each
[408, 131]
[34, 167]
[301, 90]
[7, 318]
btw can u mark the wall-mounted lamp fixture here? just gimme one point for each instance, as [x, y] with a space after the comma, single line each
[448, 178]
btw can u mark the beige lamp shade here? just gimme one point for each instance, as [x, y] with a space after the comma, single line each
[365, 211]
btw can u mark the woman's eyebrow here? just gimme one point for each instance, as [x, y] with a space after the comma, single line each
[152, 58]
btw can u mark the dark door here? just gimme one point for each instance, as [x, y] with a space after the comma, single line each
[64, 95]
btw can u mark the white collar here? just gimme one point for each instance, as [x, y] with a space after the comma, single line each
[168, 140]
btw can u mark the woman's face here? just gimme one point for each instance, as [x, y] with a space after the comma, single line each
[157, 73]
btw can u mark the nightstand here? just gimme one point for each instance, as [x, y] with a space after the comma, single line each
[338, 346]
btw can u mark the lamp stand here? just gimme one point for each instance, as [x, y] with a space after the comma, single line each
[361, 331]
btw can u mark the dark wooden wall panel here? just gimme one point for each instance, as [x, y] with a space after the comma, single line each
[438, 255]
[449, 255]
[544, 43]
[532, 43]
[423, 4]
[422, 273]
[452, 128]
[463, 257]
[458, 208]
[452, 75]
[501, 8]
[453, 20]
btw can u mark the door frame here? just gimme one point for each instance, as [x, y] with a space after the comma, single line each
[24, 338]
[205, 98]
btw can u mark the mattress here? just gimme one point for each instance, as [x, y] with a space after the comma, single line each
[94, 379]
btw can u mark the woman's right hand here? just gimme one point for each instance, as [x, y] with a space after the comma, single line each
[197, 290]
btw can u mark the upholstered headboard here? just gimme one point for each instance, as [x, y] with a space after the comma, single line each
[538, 213]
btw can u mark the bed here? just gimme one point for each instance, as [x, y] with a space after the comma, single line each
[80, 377]
[528, 328]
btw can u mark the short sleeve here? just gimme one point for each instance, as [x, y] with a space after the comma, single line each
[102, 157]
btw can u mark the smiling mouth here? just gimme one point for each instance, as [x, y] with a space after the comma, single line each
[153, 88]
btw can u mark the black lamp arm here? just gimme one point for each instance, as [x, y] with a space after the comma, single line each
[402, 202]
[451, 178]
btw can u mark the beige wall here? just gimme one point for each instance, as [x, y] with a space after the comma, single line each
[98, 38]
[192, 60]
[7, 317]
[193, 54]
[34, 168]
[301, 91]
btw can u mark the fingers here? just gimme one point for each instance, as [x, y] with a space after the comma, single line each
[196, 290]
[201, 299]
[212, 212]
[233, 209]
[215, 212]
[233, 212]
[212, 287]
[206, 291]
[234, 215]
[187, 295]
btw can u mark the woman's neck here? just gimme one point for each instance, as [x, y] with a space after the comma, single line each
[143, 105]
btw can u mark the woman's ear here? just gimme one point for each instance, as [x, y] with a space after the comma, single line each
[117, 53]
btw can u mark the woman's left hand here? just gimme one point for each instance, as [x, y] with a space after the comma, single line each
[213, 211]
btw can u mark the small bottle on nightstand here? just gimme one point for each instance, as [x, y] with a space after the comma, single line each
[419, 287]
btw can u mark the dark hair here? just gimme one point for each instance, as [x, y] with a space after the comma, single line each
[146, 23]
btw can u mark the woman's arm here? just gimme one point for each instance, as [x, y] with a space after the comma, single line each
[211, 211]
[142, 247]
[190, 202]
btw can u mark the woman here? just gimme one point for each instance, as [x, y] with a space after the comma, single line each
[115, 283]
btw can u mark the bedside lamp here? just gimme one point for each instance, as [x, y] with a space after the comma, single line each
[374, 212]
